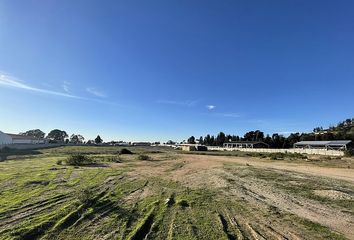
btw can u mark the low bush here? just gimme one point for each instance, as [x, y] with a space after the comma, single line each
[125, 151]
[349, 153]
[79, 160]
[143, 157]
[85, 196]
[59, 162]
[115, 159]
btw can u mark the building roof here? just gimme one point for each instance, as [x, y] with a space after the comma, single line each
[322, 143]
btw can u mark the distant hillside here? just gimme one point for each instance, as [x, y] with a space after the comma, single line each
[343, 130]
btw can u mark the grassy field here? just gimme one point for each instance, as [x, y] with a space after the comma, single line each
[169, 196]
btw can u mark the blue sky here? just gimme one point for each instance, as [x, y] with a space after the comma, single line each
[159, 70]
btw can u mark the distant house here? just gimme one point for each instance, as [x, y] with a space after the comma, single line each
[193, 147]
[246, 144]
[8, 138]
[329, 145]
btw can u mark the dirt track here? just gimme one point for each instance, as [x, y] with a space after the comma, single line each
[199, 171]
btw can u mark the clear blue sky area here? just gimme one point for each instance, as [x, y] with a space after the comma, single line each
[159, 70]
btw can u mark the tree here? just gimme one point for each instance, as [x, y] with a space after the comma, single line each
[207, 140]
[37, 133]
[98, 140]
[57, 135]
[77, 139]
[220, 139]
[191, 140]
[201, 141]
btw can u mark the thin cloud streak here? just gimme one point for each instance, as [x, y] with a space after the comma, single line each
[186, 103]
[96, 92]
[9, 81]
[231, 115]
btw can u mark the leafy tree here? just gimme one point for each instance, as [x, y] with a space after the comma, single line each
[98, 140]
[37, 133]
[207, 140]
[191, 140]
[170, 142]
[77, 139]
[57, 135]
[201, 141]
[220, 139]
[212, 141]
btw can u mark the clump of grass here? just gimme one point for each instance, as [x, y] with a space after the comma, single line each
[115, 159]
[85, 196]
[79, 160]
[144, 157]
[349, 153]
[60, 162]
[281, 156]
[125, 151]
[183, 203]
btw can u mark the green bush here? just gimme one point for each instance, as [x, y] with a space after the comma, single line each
[143, 157]
[349, 153]
[79, 160]
[59, 162]
[115, 159]
[125, 151]
[85, 196]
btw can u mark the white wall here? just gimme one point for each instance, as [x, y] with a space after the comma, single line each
[5, 139]
[291, 150]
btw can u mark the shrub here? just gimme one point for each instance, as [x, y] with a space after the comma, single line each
[115, 159]
[143, 157]
[79, 160]
[125, 151]
[85, 196]
[59, 162]
[349, 153]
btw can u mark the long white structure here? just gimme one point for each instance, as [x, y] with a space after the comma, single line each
[8, 139]
[5, 139]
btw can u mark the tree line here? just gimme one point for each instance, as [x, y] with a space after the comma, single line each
[342, 131]
[61, 136]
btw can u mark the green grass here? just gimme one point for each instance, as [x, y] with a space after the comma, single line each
[40, 199]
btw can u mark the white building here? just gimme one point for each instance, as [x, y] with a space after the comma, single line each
[5, 139]
[8, 138]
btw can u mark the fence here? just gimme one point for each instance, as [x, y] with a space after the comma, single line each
[291, 150]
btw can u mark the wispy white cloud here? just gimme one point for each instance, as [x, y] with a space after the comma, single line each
[210, 107]
[187, 103]
[66, 87]
[6, 80]
[231, 115]
[96, 92]
[10, 81]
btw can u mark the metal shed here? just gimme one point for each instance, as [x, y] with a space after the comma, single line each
[329, 145]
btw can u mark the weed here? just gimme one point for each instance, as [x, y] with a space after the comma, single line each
[79, 160]
[144, 157]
